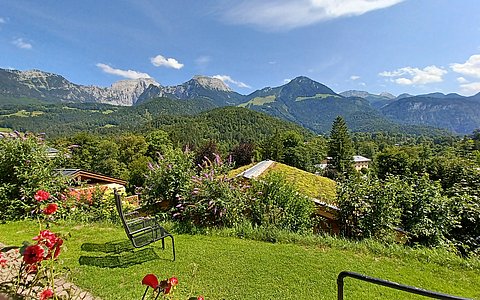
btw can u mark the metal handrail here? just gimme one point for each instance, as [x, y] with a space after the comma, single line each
[391, 284]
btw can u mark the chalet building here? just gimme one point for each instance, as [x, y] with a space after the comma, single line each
[85, 183]
[360, 162]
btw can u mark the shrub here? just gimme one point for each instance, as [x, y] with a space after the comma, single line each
[368, 207]
[214, 201]
[24, 169]
[91, 204]
[168, 180]
[426, 214]
[275, 202]
[372, 208]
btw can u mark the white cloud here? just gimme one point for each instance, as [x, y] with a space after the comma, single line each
[227, 79]
[2, 20]
[470, 68]
[20, 43]
[470, 88]
[123, 73]
[161, 61]
[288, 14]
[354, 77]
[462, 80]
[415, 76]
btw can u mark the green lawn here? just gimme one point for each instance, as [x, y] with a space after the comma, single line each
[231, 268]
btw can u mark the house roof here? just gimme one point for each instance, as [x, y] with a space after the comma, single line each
[358, 158]
[257, 169]
[90, 177]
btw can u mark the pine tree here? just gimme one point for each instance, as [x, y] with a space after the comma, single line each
[340, 148]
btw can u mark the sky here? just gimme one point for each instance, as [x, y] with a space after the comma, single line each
[395, 46]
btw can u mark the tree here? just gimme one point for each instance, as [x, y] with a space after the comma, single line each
[243, 154]
[340, 148]
[206, 152]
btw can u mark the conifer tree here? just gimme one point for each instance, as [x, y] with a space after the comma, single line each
[340, 148]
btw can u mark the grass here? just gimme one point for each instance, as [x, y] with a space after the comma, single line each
[223, 267]
[258, 101]
[306, 183]
[3, 129]
[24, 113]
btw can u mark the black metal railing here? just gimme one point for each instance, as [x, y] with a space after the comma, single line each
[390, 284]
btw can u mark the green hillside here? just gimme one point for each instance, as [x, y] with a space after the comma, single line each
[229, 125]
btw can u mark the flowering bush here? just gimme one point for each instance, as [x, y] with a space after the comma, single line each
[91, 204]
[24, 169]
[32, 267]
[165, 288]
[214, 199]
[168, 180]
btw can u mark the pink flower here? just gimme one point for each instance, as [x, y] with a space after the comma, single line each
[33, 254]
[200, 298]
[41, 195]
[151, 280]
[50, 209]
[46, 294]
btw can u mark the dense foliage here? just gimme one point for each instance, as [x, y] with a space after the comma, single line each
[24, 169]
[208, 198]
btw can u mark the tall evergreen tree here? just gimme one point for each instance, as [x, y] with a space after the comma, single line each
[340, 148]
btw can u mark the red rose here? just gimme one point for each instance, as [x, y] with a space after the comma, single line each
[33, 254]
[46, 294]
[50, 209]
[41, 195]
[151, 280]
[47, 238]
[57, 248]
[173, 281]
[200, 298]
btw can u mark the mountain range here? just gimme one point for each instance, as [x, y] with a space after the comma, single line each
[302, 100]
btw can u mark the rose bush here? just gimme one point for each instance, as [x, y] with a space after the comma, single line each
[33, 268]
[164, 288]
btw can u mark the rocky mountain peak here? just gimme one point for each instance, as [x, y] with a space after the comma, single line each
[211, 83]
[387, 95]
[133, 84]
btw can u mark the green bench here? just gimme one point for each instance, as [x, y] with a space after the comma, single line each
[142, 230]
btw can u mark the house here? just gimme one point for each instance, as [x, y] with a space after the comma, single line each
[361, 162]
[85, 183]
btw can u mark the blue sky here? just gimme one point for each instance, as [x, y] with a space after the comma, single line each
[398, 46]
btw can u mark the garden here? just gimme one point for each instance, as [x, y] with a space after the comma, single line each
[234, 239]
